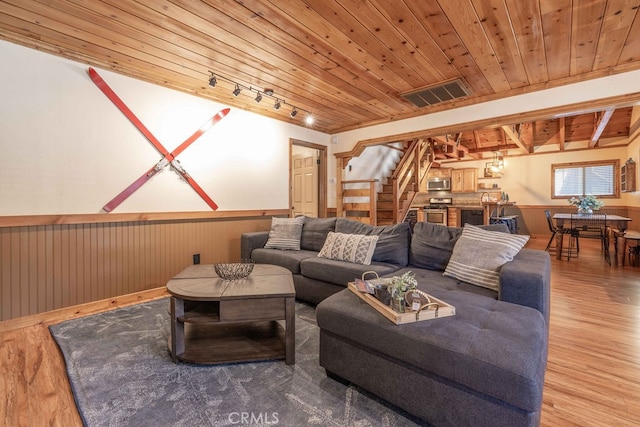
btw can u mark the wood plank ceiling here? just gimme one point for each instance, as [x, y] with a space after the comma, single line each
[348, 62]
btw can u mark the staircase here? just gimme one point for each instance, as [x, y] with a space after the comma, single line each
[405, 182]
[397, 195]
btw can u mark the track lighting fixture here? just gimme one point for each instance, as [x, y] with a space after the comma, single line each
[278, 102]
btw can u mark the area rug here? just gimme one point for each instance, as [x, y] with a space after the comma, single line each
[121, 374]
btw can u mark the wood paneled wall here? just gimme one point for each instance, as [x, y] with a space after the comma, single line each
[47, 267]
[57, 263]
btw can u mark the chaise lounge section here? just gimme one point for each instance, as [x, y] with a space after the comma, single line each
[483, 366]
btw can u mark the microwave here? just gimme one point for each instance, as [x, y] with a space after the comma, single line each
[438, 184]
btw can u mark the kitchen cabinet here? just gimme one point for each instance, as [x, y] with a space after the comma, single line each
[452, 217]
[464, 180]
[439, 173]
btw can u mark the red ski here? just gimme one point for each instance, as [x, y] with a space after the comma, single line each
[169, 158]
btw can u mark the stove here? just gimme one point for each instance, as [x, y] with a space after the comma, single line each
[439, 203]
[436, 211]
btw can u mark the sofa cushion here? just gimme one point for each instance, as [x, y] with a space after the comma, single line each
[432, 244]
[315, 231]
[490, 346]
[393, 240]
[287, 259]
[479, 254]
[285, 233]
[340, 272]
[356, 248]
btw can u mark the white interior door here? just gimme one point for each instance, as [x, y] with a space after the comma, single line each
[305, 182]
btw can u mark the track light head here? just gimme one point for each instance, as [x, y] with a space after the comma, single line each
[237, 91]
[294, 112]
[258, 98]
[276, 106]
[309, 120]
[213, 81]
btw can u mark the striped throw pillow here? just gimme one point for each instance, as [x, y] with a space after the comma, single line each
[285, 233]
[478, 255]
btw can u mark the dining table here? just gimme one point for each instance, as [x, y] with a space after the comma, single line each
[619, 222]
[624, 238]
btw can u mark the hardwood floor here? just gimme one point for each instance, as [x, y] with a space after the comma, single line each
[593, 371]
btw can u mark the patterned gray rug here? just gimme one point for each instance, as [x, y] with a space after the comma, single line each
[121, 374]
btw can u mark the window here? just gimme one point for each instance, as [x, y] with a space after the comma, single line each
[579, 179]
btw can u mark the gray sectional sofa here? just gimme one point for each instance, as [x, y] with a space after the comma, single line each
[483, 366]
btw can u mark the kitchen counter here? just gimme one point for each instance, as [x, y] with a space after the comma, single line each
[489, 207]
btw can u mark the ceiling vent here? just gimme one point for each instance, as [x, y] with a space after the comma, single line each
[437, 94]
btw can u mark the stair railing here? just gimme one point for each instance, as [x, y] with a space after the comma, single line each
[358, 200]
[412, 168]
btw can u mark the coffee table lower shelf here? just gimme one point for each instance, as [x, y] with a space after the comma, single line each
[211, 343]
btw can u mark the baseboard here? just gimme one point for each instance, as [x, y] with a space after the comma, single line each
[60, 315]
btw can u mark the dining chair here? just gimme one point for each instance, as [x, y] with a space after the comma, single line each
[567, 231]
[592, 226]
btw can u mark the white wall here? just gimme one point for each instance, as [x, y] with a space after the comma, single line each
[527, 179]
[605, 87]
[67, 149]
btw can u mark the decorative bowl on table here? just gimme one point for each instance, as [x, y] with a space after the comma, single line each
[234, 270]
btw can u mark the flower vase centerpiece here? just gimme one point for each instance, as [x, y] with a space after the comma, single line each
[586, 204]
[398, 288]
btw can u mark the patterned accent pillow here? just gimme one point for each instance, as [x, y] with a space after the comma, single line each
[478, 255]
[356, 248]
[285, 233]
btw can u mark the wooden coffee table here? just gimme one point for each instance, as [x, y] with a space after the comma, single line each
[220, 321]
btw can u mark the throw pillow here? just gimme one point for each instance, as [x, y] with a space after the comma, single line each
[285, 233]
[478, 255]
[393, 240]
[356, 248]
[432, 244]
[315, 231]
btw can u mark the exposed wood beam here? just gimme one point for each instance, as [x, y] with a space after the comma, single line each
[516, 139]
[393, 147]
[562, 132]
[476, 138]
[634, 128]
[457, 150]
[601, 124]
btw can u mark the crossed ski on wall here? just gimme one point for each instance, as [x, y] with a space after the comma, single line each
[168, 158]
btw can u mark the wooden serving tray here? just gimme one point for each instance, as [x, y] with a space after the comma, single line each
[427, 313]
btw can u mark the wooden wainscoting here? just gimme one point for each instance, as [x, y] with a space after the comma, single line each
[52, 266]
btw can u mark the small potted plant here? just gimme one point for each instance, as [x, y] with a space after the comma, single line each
[398, 288]
[586, 204]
